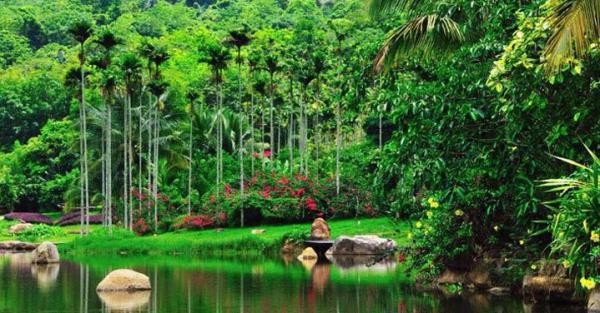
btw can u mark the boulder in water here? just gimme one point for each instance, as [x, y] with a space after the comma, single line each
[362, 245]
[45, 253]
[124, 280]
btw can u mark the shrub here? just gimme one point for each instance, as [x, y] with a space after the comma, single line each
[29, 217]
[195, 222]
[40, 231]
[140, 227]
[442, 236]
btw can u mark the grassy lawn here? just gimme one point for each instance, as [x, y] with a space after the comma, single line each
[61, 234]
[228, 241]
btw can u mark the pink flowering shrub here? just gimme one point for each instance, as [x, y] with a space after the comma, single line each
[280, 198]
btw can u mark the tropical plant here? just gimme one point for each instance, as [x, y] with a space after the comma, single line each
[575, 219]
[575, 27]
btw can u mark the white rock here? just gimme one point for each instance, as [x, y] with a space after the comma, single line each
[124, 280]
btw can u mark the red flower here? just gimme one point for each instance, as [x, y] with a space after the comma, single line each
[298, 192]
[284, 180]
[255, 154]
[213, 199]
[222, 217]
[227, 190]
[311, 204]
[266, 192]
[267, 153]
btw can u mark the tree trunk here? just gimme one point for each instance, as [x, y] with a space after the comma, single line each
[189, 209]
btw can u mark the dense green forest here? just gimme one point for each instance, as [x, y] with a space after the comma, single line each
[476, 120]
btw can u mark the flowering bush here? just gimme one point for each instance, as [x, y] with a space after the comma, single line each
[140, 227]
[195, 222]
[29, 217]
[275, 197]
[442, 236]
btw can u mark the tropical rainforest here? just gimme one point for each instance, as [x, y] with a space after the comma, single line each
[477, 121]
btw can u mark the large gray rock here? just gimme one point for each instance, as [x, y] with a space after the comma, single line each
[45, 253]
[362, 245]
[124, 280]
[594, 301]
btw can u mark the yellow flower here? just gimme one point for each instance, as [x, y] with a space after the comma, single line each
[433, 203]
[496, 228]
[595, 237]
[521, 242]
[419, 224]
[459, 212]
[566, 263]
[429, 214]
[587, 283]
[533, 267]
[410, 235]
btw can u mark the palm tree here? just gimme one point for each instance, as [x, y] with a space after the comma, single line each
[424, 32]
[575, 24]
[319, 66]
[253, 62]
[81, 31]
[131, 67]
[272, 66]
[240, 39]
[218, 57]
[108, 41]
[192, 96]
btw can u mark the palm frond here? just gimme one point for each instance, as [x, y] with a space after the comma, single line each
[576, 24]
[381, 7]
[423, 34]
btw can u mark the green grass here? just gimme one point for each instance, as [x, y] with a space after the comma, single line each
[226, 242]
[62, 234]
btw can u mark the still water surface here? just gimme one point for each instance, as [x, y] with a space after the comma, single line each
[183, 284]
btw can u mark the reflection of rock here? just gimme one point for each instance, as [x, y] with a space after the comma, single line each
[594, 301]
[363, 263]
[124, 280]
[45, 274]
[320, 276]
[308, 264]
[320, 230]
[45, 253]
[362, 245]
[290, 248]
[308, 254]
[548, 287]
[20, 261]
[17, 228]
[124, 300]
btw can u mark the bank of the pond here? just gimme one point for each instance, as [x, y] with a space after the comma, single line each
[224, 242]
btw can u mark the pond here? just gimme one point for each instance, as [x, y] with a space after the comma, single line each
[184, 284]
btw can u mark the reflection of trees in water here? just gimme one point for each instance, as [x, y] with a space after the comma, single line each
[232, 287]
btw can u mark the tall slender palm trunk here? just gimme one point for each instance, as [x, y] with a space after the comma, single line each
[109, 168]
[241, 139]
[125, 165]
[191, 143]
[155, 181]
[271, 128]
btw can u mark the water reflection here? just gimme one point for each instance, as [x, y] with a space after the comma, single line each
[46, 274]
[203, 286]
